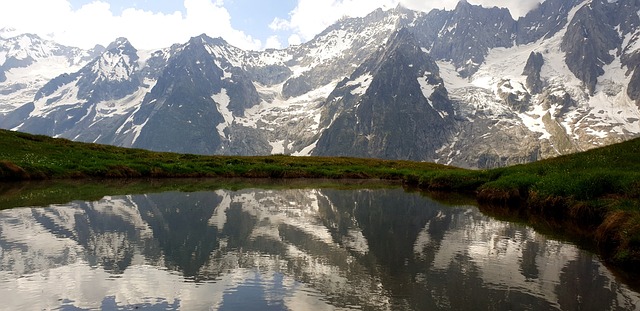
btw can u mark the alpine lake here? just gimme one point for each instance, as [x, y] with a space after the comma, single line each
[282, 245]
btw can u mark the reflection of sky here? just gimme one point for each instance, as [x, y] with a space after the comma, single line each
[86, 287]
[323, 253]
[498, 254]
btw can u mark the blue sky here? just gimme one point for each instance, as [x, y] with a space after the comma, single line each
[120, 5]
[251, 16]
[248, 24]
[255, 16]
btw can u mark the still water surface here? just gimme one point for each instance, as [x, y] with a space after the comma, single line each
[320, 249]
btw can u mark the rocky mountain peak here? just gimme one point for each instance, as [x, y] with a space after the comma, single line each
[121, 46]
[23, 49]
[464, 7]
[28, 62]
[8, 32]
[112, 75]
[466, 34]
[547, 19]
[402, 9]
[217, 41]
[397, 84]
[118, 42]
[204, 39]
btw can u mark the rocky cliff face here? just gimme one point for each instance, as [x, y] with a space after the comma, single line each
[399, 84]
[197, 95]
[533, 70]
[545, 21]
[471, 87]
[547, 93]
[465, 35]
[588, 41]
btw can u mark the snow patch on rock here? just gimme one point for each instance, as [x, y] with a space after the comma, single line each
[222, 101]
[363, 82]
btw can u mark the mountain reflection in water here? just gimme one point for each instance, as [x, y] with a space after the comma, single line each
[290, 250]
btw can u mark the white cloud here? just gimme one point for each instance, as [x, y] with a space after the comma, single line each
[294, 40]
[426, 6]
[310, 17]
[31, 15]
[95, 23]
[517, 8]
[273, 43]
[279, 24]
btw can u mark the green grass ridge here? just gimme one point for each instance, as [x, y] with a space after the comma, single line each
[597, 192]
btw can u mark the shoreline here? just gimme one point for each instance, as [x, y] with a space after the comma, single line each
[607, 233]
[596, 191]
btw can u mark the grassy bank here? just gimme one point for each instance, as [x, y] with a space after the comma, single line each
[595, 193]
[62, 191]
[29, 157]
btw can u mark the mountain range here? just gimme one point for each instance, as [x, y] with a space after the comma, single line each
[470, 87]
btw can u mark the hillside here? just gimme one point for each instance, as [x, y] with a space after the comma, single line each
[25, 156]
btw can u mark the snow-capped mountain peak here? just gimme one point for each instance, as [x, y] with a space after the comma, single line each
[28, 62]
[121, 44]
[118, 63]
[8, 32]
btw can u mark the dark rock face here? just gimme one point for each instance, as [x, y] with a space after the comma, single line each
[57, 123]
[532, 71]
[544, 21]
[180, 107]
[369, 126]
[16, 117]
[633, 89]
[14, 62]
[466, 34]
[156, 64]
[297, 86]
[517, 99]
[185, 98]
[270, 74]
[589, 39]
[625, 14]
[629, 23]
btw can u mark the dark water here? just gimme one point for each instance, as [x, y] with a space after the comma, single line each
[290, 250]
